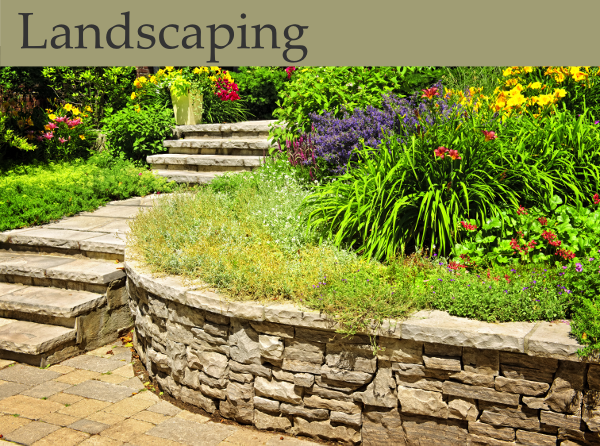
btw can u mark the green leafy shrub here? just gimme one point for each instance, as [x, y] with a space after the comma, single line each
[557, 233]
[9, 140]
[38, 194]
[333, 89]
[137, 132]
[260, 87]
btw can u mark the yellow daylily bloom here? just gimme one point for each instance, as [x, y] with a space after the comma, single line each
[82, 137]
[51, 117]
[133, 95]
[535, 85]
[68, 107]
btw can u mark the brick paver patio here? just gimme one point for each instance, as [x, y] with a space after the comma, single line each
[95, 399]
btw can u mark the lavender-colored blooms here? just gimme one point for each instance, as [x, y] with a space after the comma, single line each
[336, 139]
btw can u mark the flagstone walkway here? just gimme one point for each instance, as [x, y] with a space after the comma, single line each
[95, 399]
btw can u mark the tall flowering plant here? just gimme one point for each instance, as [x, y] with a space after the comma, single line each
[67, 132]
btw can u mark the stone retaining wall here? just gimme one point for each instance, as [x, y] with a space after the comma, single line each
[438, 379]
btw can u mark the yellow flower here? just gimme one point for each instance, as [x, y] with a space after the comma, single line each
[516, 100]
[197, 70]
[88, 108]
[535, 85]
[511, 82]
[169, 68]
[215, 69]
[528, 69]
[560, 77]
[133, 95]
[29, 121]
[507, 72]
[82, 137]
[137, 84]
[143, 79]
[153, 79]
[545, 99]
[75, 111]
[68, 107]
[560, 92]
[516, 91]
[51, 117]
[50, 111]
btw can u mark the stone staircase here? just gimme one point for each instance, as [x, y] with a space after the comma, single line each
[204, 151]
[62, 285]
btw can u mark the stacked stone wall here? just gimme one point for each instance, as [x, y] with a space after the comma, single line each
[316, 383]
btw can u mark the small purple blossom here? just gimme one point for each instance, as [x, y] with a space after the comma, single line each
[578, 267]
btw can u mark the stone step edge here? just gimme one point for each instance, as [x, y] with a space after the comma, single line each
[189, 176]
[541, 339]
[96, 300]
[56, 273]
[246, 126]
[63, 336]
[221, 143]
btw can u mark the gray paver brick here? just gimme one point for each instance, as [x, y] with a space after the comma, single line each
[134, 384]
[89, 426]
[189, 432]
[27, 375]
[32, 432]
[10, 389]
[46, 389]
[93, 363]
[98, 390]
[165, 408]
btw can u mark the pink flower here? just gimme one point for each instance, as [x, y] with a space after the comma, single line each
[140, 174]
[289, 71]
[440, 151]
[489, 135]
[62, 140]
[52, 126]
[454, 154]
[73, 122]
[61, 119]
[430, 92]
[48, 135]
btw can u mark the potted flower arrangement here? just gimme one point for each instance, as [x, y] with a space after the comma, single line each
[189, 88]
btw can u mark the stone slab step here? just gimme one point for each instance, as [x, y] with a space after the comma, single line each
[211, 146]
[45, 301]
[30, 338]
[58, 271]
[247, 129]
[67, 241]
[205, 160]
[186, 176]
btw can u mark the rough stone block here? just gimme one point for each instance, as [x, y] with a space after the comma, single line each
[266, 405]
[531, 362]
[516, 372]
[269, 328]
[430, 349]
[560, 420]
[253, 369]
[271, 347]
[278, 390]
[211, 392]
[380, 392]
[219, 330]
[294, 365]
[241, 377]
[326, 393]
[309, 414]
[304, 351]
[419, 383]
[265, 421]
[357, 357]
[462, 409]
[487, 430]
[324, 429]
[304, 379]
[344, 418]
[416, 370]
[425, 431]
[382, 428]
[483, 362]
[182, 314]
[535, 439]
[197, 399]
[400, 350]
[474, 379]
[479, 393]
[535, 403]
[335, 405]
[422, 402]
[341, 375]
[442, 363]
[520, 418]
[282, 375]
[521, 386]
[565, 395]
[243, 342]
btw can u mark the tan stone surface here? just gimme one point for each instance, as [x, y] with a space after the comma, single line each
[25, 406]
[97, 440]
[150, 417]
[78, 376]
[65, 398]
[127, 430]
[125, 371]
[128, 407]
[112, 379]
[8, 423]
[84, 408]
[58, 419]
[62, 437]
[62, 369]
[105, 418]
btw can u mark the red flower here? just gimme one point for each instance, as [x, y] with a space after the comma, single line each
[548, 235]
[430, 92]
[522, 211]
[454, 154]
[596, 199]
[440, 151]
[489, 135]
[468, 226]
[565, 254]
[543, 221]
[289, 71]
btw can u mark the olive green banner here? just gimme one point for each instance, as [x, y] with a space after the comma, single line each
[306, 32]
